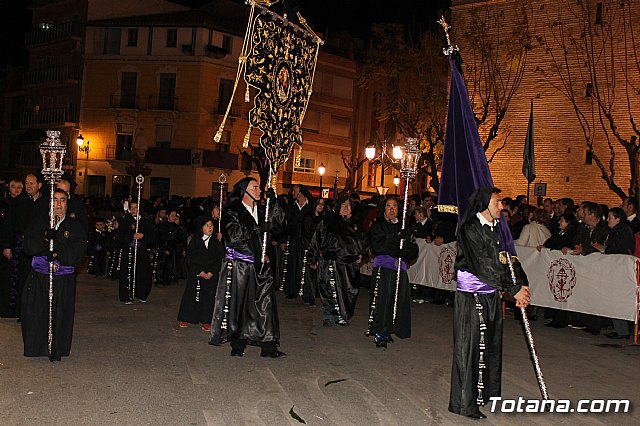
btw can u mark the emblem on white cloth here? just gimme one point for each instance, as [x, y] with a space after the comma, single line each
[562, 279]
[446, 260]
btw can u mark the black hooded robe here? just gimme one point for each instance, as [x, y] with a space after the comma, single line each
[70, 245]
[335, 248]
[479, 253]
[143, 263]
[385, 241]
[297, 247]
[199, 294]
[245, 310]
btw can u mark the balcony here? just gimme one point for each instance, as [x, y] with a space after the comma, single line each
[163, 103]
[215, 52]
[48, 117]
[124, 101]
[53, 75]
[112, 154]
[28, 155]
[56, 33]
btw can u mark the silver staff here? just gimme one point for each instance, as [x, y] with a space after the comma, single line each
[527, 332]
[139, 180]
[409, 169]
[222, 180]
[266, 220]
[52, 151]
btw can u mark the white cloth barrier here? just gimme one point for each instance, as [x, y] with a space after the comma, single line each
[598, 284]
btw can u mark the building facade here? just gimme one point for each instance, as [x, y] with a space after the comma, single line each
[158, 76]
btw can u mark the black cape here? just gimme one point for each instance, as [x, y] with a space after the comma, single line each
[245, 306]
[70, 246]
[385, 240]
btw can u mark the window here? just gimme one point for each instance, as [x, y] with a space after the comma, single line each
[160, 187]
[167, 94]
[172, 37]
[225, 142]
[227, 43]
[342, 87]
[132, 38]
[340, 126]
[120, 186]
[307, 165]
[124, 140]
[128, 85]
[123, 146]
[589, 90]
[224, 94]
[163, 136]
[311, 122]
[599, 12]
[112, 41]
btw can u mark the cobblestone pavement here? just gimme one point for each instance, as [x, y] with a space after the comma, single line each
[133, 365]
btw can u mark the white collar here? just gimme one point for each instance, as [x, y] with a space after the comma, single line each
[423, 221]
[630, 218]
[206, 239]
[392, 221]
[484, 221]
[301, 206]
[252, 211]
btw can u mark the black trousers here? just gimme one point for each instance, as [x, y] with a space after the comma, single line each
[466, 351]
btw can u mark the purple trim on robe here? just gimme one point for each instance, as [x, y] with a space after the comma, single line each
[469, 283]
[388, 262]
[40, 264]
[233, 254]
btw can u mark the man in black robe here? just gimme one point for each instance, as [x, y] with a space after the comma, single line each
[136, 278]
[477, 325]
[390, 306]
[245, 308]
[70, 245]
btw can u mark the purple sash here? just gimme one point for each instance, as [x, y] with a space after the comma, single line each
[469, 283]
[233, 254]
[388, 262]
[40, 264]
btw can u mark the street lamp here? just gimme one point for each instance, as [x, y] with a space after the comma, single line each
[321, 170]
[396, 182]
[82, 147]
[371, 154]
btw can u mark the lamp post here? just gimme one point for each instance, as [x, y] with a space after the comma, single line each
[396, 182]
[321, 170]
[84, 147]
[371, 154]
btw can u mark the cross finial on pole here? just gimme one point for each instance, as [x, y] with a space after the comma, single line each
[450, 48]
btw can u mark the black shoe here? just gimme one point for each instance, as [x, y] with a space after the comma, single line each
[327, 323]
[273, 354]
[382, 344]
[614, 335]
[55, 358]
[237, 352]
[477, 416]
[554, 325]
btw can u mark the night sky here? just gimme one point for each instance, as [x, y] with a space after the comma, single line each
[354, 16]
